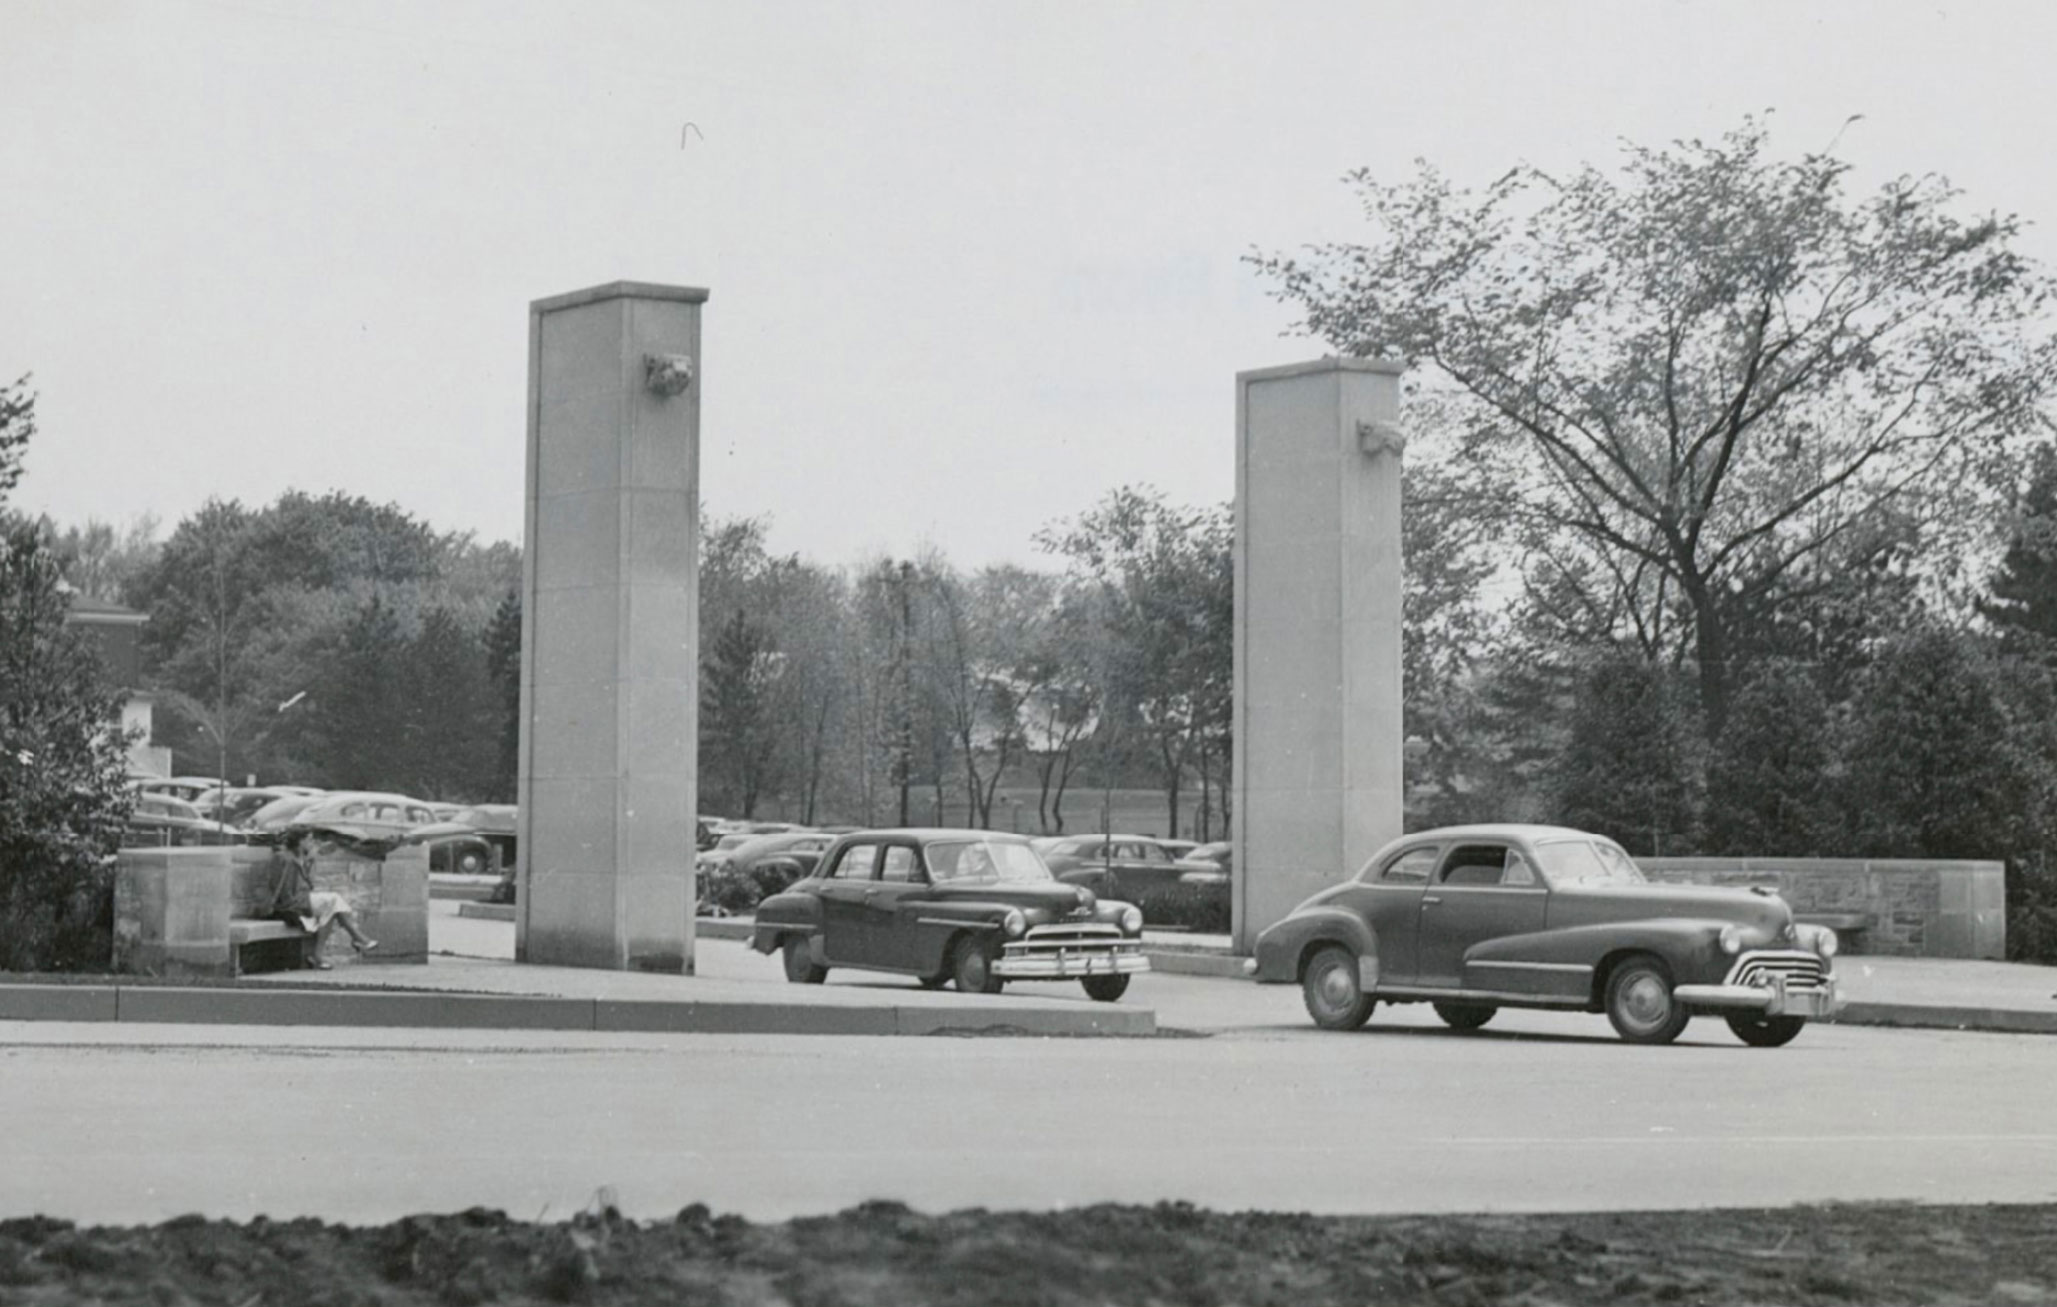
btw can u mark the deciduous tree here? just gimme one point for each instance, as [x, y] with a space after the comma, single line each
[1706, 369]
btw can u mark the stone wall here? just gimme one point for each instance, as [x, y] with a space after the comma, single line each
[172, 907]
[1912, 907]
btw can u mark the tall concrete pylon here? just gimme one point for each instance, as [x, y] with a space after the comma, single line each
[1318, 730]
[610, 630]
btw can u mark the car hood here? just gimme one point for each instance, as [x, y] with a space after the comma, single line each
[1580, 904]
[1056, 899]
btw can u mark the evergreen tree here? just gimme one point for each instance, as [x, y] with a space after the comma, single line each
[503, 665]
[2023, 590]
[1929, 772]
[1626, 768]
[1768, 783]
[449, 737]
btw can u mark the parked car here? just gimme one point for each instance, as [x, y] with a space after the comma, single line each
[186, 788]
[793, 853]
[1208, 864]
[975, 907]
[733, 883]
[1472, 919]
[497, 824]
[1125, 867]
[237, 804]
[162, 821]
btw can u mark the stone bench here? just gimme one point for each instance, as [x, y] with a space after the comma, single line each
[193, 911]
[261, 936]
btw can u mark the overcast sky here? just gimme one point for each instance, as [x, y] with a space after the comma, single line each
[972, 264]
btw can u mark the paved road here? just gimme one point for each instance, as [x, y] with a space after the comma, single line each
[122, 1124]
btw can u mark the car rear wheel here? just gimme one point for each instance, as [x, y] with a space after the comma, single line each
[471, 862]
[1104, 989]
[1465, 1016]
[1766, 1032]
[800, 965]
[1640, 1003]
[971, 964]
[1335, 998]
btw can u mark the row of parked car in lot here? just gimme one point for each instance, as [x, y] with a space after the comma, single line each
[1468, 920]
[185, 811]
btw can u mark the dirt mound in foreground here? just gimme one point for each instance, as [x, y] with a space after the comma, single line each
[887, 1255]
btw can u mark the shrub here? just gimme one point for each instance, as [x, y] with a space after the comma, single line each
[1202, 908]
[63, 765]
[731, 891]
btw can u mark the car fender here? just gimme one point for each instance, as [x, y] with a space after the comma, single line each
[1689, 946]
[961, 914]
[784, 914]
[1283, 948]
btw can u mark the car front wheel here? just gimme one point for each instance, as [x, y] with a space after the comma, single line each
[1766, 1032]
[1335, 998]
[972, 966]
[1465, 1016]
[800, 965]
[1105, 989]
[1640, 1003]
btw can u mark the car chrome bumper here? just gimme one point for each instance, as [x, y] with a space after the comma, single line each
[1776, 999]
[1023, 961]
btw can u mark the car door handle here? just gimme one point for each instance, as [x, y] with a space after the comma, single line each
[1430, 900]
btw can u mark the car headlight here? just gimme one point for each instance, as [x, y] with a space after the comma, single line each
[1132, 920]
[1819, 938]
[1014, 923]
[1731, 940]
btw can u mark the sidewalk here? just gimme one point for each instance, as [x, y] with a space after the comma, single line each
[471, 980]
[1941, 993]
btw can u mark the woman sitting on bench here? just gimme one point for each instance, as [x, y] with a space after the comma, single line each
[295, 901]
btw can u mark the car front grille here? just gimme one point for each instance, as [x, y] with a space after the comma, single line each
[1795, 970]
[1068, 935]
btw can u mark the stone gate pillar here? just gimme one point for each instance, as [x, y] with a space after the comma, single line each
[1317, 768]
[610, 618]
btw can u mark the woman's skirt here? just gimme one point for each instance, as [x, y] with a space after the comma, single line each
[325, 906]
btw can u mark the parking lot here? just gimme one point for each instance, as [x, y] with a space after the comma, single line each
[1249, 1107]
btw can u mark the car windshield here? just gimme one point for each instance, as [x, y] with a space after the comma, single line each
[1001, 860]
[1587, 862]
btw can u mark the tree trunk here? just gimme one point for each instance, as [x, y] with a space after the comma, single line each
[1057, 800]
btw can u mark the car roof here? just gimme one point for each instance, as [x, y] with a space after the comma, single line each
[1503, 830]
[936, 833]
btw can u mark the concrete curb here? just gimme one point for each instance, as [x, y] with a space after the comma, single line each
[703, 927]
[2004, 1020]
[153, 1004]
[1921, 1016]
[1195, 962]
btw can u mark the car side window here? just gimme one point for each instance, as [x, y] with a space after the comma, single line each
[1153, 853]
[353, 810]
[1476, 865]
[857, 862]
[898, 864]
[1518, 871]
[1411, 867]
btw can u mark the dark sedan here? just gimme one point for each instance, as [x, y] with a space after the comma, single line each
[1472, 919]
[1127, 867]
[974, 907]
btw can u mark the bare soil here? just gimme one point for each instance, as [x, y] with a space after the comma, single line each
[886, 1255]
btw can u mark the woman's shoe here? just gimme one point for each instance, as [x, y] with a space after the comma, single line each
[364, 945]
[321, 964]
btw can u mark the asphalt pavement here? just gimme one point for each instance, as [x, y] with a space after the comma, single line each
[1537, 1112]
